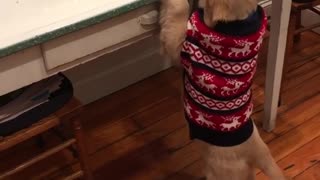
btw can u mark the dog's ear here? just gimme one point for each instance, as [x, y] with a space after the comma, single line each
[227, 10]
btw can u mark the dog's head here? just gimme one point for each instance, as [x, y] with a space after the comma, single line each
[227, 10]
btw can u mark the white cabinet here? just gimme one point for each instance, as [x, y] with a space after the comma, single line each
[92, 42]
[63, 53]
[21, 69]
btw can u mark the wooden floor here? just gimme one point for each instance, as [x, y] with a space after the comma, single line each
[139, 132]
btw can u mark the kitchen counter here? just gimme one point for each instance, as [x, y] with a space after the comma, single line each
[26, 23]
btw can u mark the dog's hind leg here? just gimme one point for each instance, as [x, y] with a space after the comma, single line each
[227, 163]
[263, 160]
[269, 167]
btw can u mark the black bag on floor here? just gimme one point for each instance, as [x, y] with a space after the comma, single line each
[57, 100]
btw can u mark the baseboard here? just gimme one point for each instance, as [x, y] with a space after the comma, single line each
[117, 70]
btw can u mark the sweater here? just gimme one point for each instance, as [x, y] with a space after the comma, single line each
[219, 65]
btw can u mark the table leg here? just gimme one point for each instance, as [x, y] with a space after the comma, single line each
[277, 46]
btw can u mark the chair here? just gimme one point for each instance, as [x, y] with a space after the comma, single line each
[68, 112]
[295, 27]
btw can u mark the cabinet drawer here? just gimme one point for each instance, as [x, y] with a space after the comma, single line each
[82, 43]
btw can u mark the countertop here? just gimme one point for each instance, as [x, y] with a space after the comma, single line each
[26, 23]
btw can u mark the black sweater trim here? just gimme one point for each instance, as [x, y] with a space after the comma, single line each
[245, 27]
[217, 138]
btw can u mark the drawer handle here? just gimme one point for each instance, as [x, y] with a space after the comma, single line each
[149, 18]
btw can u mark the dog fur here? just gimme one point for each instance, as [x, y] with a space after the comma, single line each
[223, 163]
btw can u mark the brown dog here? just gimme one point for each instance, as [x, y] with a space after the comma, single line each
[223, 163]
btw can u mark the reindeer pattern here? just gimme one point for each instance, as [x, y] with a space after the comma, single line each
[202, 119]
[231, 123]
[207, 42]
[226, 90]
[244, 50]
[203, 81]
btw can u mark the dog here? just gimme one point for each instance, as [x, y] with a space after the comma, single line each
[232, 146]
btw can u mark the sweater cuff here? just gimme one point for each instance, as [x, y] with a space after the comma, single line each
[224, 139]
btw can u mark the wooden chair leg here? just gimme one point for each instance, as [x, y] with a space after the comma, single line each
[82, 151]
[40, 142]
[298, 25]
[289, 49]
[291, 29]
[62, 136]
[280, 101]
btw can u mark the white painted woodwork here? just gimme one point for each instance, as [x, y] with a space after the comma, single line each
[36, 63]
[21, 69]
[276, 54]
[76, 45]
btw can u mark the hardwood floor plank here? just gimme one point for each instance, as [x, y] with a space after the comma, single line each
[266, 136]
[103, 136]
[301, 74]
[138, 140]
[311, 51]
[298, 115]
[158, 111]
[128, 102]
[295, 139]
[301, 92]
[300, 160]
[126, 109]
[193, 171]
[152, 160]
[311, 174]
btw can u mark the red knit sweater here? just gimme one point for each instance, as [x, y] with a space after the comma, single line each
[219, 68]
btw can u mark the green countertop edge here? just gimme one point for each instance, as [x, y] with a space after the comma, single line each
[72, 27]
